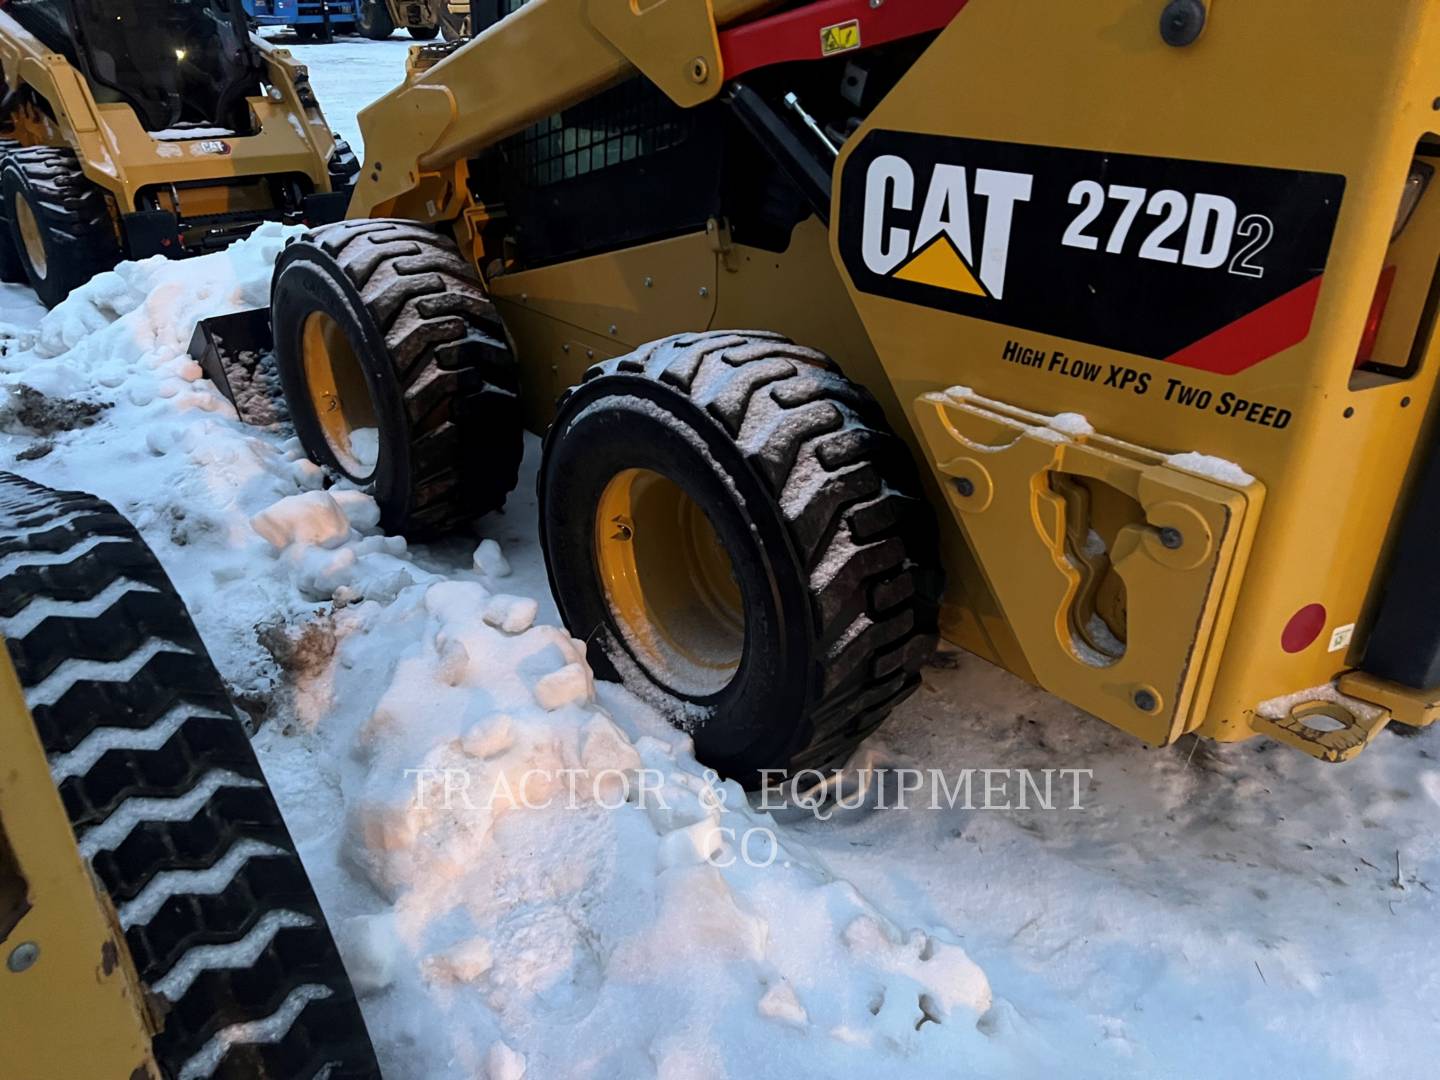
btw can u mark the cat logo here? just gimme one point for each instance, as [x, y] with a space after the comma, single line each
[941, 250]
[1202, 264]
[842, 37]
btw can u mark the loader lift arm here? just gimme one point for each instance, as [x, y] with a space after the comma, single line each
[593, 44]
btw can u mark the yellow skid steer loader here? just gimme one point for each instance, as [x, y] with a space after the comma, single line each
[131, 128]
[422, 19]
[1096, 337]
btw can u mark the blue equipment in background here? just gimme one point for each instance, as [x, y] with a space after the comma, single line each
[307, 17]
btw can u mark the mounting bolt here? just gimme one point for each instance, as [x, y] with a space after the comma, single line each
[649, 282]
[614, 329]
[1181, 22]
[699, 70]
[23, 956]
[1170, 537]
[876, 3]
[1144, 700]
[704, 291]
[964, 486]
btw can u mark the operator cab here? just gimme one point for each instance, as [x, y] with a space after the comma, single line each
[178, 63]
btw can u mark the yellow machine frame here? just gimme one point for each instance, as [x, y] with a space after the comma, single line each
[1347, 89]
[60, 944]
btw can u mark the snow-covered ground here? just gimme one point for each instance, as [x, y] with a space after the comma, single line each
[1212, 911]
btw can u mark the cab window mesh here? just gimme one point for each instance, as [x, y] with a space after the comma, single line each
[624, 167]
[626, 123]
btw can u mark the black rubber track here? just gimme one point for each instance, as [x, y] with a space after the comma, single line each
[106, 652]
[444, 386]
[857, 537]
[72, 214]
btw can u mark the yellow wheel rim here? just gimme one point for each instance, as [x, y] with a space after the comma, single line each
[340, 395]
[30, 235]
[669, 582]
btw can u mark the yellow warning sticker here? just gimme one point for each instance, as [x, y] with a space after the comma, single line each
[840, 37]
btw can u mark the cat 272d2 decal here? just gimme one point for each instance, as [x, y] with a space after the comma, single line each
[1202, 264]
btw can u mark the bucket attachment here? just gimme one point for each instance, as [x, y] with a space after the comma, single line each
[1117, 571]
[236, 353]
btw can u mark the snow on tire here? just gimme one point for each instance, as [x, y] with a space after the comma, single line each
[167, 800]
[792, 607]
[382, 328]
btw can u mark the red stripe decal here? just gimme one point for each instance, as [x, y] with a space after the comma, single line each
[795, 35]
[1283, 322]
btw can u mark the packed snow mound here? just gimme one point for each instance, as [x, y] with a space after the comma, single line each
[552, 870]
[154, 305]
[529, 873]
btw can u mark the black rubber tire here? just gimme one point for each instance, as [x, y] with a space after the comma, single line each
[423, 33]
[73, 216]
[839, 590]
[12, 270]
[147, 717]
[443, 387]
[343, 166]
[372, 20]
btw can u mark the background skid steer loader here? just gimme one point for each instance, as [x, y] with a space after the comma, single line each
[1135, 302]
[155, 919]
[462, 19]
[140, 127]
[457, 22]
[422, 19]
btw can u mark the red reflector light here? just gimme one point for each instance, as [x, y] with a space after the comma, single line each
[1303, 628]
[1366, 352]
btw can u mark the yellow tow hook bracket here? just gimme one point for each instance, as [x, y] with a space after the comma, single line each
[1330, 726]
[1151, 572]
